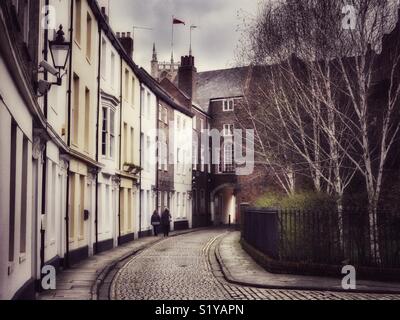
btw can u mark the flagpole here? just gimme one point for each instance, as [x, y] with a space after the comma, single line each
[172, 42]
[191, 29]
[190, 47]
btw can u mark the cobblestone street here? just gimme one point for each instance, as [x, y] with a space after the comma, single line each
[185, 268]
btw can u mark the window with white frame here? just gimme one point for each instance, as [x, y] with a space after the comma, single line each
[160, 112]
[202, 158]
[112, 134]
[228, 105]
[165, 200]
[148, 143]
[142, 97]
[194, 123]
[148, 105]
[127, 85]
[108, 133]
[160, 152]
[89, 37]
[228, 130]
[165, 154]
[142, 141]
[184, 205]
[103, 62]
[228, 157]
[133, 91]
[165, 115]
[78, 20]
[195, 155]
[183, 164]
[104, 132]
[112, 70]
[132, 144]
[178, 160]
[178, 199]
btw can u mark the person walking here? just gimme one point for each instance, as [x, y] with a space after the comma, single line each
[155, 222]
[166, 221]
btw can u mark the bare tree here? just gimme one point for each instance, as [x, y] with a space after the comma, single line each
[322, 99]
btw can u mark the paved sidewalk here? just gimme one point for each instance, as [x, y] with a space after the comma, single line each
[238, 267]
[81, 281]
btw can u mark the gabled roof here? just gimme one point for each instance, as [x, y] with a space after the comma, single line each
[161, 93]
[142, 74]
[174, 90]
[219, 84]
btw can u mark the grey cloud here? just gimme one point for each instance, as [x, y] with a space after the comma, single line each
[213, 43]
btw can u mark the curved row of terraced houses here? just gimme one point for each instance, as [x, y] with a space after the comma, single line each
[84, 165]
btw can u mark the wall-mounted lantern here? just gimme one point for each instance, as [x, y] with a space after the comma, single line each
[60, 50]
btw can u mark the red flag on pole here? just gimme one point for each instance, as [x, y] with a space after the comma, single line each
[177, 21]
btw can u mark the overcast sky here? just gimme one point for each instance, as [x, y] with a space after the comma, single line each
[213, 43]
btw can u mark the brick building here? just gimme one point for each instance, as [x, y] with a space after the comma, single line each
[213, 97]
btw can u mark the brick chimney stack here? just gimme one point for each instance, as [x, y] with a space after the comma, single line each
[187, 76]
[105, 8]
[104, 13]
[127, 42]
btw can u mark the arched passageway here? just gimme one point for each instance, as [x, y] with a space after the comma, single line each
[223, 205]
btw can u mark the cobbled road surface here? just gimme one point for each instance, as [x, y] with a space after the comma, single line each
[184, 268]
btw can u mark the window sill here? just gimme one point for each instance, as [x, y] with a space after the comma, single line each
[77, 44]
[103, 157]
[10, 269]
[22, 258]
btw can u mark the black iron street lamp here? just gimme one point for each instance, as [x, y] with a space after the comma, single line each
[60, 50]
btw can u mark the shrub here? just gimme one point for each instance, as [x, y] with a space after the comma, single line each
[298, 201]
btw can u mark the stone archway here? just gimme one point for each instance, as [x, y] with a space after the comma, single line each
[223, 204]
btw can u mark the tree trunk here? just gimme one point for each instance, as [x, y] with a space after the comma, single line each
[374, 231]
[339, 204]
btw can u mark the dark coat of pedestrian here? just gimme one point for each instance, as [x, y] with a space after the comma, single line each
[165, 222]
[156, 222]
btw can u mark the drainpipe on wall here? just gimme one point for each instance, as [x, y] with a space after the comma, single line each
[66, 258]
[44, 170]
[96, 219]
[140, 155]
[120, 151]
[157, 154]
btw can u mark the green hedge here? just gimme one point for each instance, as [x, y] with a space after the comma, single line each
[298, 201]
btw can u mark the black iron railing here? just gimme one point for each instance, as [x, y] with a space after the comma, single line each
[324, 236]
